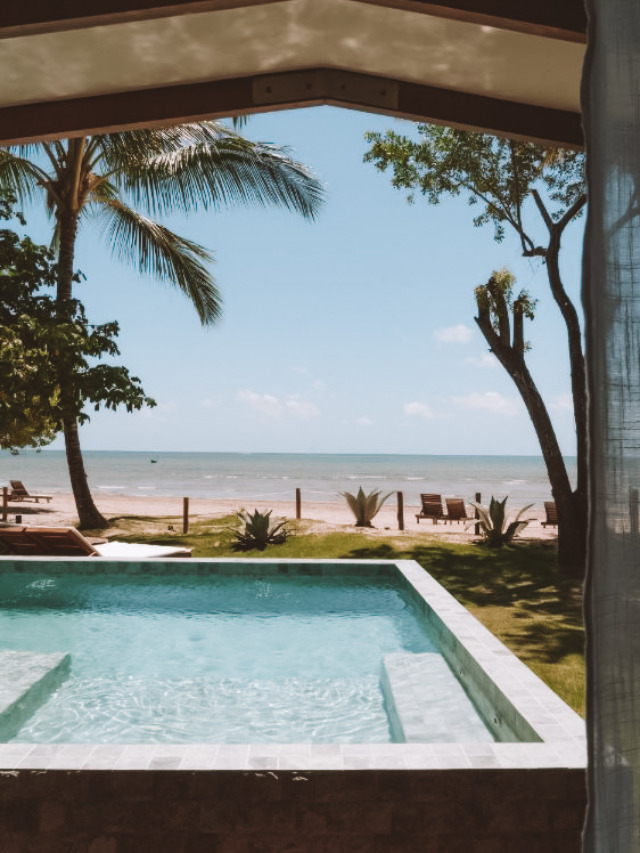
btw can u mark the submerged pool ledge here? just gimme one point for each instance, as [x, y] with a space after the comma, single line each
[512, 698]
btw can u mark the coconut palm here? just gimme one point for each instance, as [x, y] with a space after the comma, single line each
[128, 179]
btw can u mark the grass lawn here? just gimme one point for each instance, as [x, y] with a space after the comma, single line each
[517, 592]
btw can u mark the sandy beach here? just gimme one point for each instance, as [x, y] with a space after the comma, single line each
[326, 517]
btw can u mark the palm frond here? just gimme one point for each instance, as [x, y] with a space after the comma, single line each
[156, 250]
[130, 148]
[20, 176]
[212, 167]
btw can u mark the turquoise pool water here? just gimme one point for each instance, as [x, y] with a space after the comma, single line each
[215, 659]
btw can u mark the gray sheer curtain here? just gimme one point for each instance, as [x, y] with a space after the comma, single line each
[611, 108]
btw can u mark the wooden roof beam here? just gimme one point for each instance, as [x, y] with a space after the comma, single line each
[562, 19]
[262, 93]
[31, 17]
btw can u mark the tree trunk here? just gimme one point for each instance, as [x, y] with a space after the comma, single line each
[571, 530]
[575, 540]
[89, 516]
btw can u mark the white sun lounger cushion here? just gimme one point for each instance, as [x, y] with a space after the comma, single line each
[134, 550]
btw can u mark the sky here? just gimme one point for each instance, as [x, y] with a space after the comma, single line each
[350, 334]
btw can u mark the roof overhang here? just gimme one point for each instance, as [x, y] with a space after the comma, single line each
[507, 66]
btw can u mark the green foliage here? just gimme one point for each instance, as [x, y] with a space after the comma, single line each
[493, 523]
[258, 532]
[45, 343]
[497, 298]
[500, 174]
[365, 507]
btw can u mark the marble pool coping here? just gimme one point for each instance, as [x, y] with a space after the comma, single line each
[482, 662]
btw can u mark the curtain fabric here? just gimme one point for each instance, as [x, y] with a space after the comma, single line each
[611, 294]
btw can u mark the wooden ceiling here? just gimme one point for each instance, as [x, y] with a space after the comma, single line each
[71, 67]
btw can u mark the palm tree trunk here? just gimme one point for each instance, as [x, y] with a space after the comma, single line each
[89, 515]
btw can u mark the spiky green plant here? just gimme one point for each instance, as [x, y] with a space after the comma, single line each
[258, 532]
[493, 522]
[365, 507]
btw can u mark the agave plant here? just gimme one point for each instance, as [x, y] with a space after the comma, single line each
[493, 522]
[365, 507]
[258, 532]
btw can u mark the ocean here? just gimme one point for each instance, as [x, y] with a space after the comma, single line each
[275, 476]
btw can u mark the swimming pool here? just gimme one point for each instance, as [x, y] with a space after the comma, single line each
[229, 659]
[523, 790]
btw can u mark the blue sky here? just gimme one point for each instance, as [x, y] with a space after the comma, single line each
[351, 334]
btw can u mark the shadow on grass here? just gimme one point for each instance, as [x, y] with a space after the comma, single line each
[527, 602]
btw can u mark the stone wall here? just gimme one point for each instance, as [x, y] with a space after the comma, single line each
[319, 811]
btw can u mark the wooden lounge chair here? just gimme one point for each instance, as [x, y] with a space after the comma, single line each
[552, 514]
[431, 508]
[69, 542]
[456, 510]
[19, 493]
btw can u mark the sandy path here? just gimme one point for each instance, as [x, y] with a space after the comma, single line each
[329, 516]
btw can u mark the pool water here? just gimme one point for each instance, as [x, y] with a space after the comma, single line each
[215, 659]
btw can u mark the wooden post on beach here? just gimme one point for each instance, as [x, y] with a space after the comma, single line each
[477, 514]
[298, 503]
[5, 503]
[185, 515]
[400, 510]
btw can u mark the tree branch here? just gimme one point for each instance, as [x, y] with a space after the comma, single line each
[548, 221]
[579, 203]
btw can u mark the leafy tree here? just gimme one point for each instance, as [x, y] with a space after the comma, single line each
[44, 342]
[127, 179]
[507, 180]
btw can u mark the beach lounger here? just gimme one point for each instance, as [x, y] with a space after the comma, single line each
[431, 508]
[456, 510]
[19, 493]
[69, 542]
[552, 514]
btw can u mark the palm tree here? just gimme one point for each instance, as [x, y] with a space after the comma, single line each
[157, 171]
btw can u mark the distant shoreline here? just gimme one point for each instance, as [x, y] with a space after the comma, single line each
[274, 477]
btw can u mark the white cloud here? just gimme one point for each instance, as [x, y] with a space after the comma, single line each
[459, 334]
[490, 401]
[265, 404]
[562, 403]
[301, 408]
[421, 410]
[364, 421]
[487, 359]
[272, 407]
[207, 403]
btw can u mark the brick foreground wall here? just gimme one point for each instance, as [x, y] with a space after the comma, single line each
[320, 811]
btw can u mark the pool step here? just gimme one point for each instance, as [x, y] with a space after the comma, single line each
[27, 679]
[425, 703]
